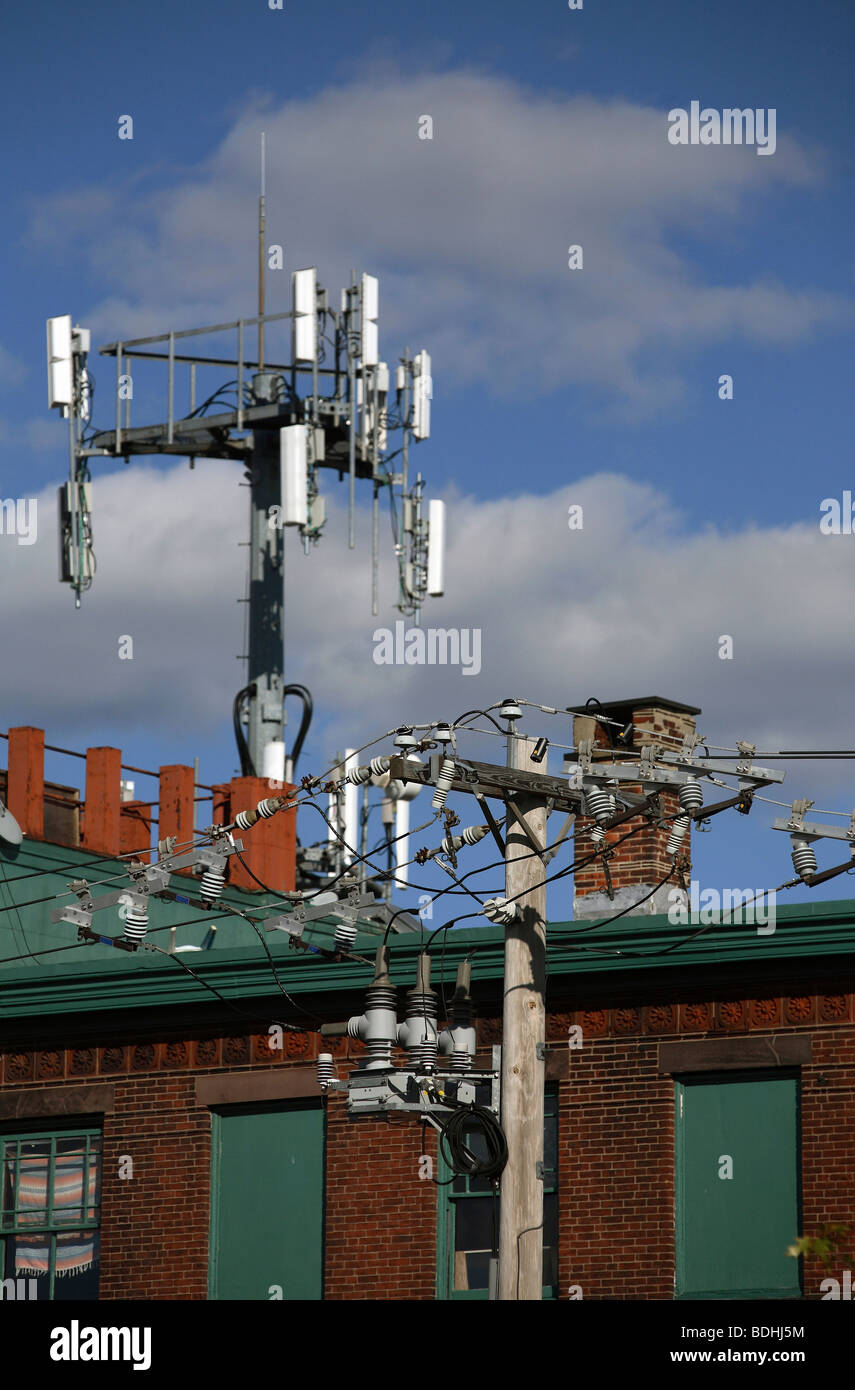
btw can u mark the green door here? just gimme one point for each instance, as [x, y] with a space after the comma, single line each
[737, 1187]
[267, 1202]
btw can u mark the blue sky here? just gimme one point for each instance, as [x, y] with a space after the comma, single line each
[549, 386]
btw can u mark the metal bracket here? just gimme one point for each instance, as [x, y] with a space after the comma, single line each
[800, 807]
[690, 743]
[490, 819]
[517, 815]
[538, 1170]
[748, 751]
[584, 752]
[540, 1051]
[649, 753]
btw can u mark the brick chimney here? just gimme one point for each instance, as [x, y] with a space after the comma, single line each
[640, 862]
[105, 824]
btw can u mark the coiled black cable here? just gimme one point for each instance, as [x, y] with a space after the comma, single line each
[308, 707]
[457, 1153]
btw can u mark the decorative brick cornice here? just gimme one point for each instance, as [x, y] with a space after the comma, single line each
[111, 1059]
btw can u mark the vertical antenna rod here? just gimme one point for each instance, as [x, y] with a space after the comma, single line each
[261, 225]
[351, 392]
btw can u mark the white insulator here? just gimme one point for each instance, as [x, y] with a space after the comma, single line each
[502, 911]
[425, 1053]
[600, 805]
[459, 1062]
[375, 768]
[268, 807]
[469, 836]
[213, 883]
[678, 830]
[473, 833]
[804, 859]
[597, 835]
[326, 1070]
[443, 783]
[242, 820]
[691, 795]
[136, 923]
[345, 935]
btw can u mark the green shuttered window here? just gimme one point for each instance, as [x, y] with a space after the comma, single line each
[737, 1186]
[267, 1202]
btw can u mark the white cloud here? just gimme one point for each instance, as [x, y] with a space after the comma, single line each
[633, 603]
[469, 231]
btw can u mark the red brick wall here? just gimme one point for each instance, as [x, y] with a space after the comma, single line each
[154, 1242]
[616, 1198]
[616, 1174]
[828, 1144]
[380, 1216]
[154, 1226]
[616, 1131]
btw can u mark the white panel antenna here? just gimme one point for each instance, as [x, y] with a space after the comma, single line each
[304, 325]
[382, 396]
[436, 548]
[60, 377]
[370, 302]
[351, 810]
[293, 451]
[422, 394]
[377, 380]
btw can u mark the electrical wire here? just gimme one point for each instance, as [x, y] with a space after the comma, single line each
[101, 859]
[459, 721]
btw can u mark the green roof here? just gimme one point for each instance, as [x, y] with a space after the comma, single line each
[95, 978]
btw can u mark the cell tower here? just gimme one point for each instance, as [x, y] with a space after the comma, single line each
[330, 405]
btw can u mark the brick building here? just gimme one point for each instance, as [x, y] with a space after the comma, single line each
[163, 1134]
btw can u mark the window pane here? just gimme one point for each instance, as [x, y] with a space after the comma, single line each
[473, 1240]
[32, 1183]
[550, 1218]
[550, 1138]
[19, 1263]
[76, 1274]
[27, 1257]
[7, 1185]
[472, 1270]
[70, 1202]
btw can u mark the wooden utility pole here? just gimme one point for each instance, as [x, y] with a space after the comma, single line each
[524, 1033]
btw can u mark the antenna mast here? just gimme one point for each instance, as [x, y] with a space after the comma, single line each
[261, 230]
[284, 430]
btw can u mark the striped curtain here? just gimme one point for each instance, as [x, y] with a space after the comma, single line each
[75, 1250]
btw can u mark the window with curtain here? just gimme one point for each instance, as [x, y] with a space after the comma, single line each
[50, 1199]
